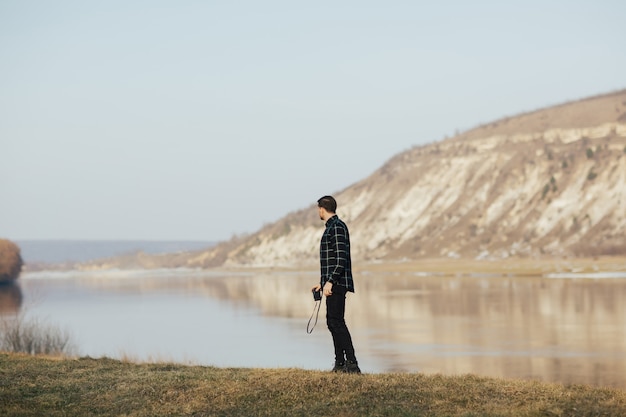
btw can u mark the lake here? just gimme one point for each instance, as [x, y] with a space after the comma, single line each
[558, 328]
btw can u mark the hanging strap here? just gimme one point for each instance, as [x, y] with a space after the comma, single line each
[317, 305]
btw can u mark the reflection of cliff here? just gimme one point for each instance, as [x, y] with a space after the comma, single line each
[567, 330]
[10, 298]
[503, 326]
[515, 327]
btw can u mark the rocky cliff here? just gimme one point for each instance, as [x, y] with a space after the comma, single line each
[546, 183]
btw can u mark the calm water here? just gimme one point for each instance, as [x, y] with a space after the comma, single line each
[561, 329]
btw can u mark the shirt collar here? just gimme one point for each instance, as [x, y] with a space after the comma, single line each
[331, 220]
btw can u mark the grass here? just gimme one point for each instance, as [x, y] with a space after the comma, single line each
[36, 386]
[512, 266]
[21, 334]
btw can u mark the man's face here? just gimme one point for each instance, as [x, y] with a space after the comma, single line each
[320, 212]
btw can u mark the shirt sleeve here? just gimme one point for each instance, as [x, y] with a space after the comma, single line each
[339, 240]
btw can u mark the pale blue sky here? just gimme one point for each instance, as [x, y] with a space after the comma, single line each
[203, 119]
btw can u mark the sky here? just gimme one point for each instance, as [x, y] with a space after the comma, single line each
[204, 120]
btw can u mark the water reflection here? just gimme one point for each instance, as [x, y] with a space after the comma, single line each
[560, 330]
[556, 330]
[10, 297]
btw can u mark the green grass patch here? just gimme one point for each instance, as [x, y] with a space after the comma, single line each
[37, 386]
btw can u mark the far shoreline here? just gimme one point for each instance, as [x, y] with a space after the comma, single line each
[514, 267]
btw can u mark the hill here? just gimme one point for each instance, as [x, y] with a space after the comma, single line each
[548, 183]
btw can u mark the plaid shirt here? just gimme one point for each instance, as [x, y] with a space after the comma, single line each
[335, 262]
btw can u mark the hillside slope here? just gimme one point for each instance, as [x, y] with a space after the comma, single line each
[546, 183]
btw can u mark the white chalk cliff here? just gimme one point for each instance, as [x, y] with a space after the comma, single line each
[549, 182]
[546, 183]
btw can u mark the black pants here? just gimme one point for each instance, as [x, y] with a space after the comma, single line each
[335, 310]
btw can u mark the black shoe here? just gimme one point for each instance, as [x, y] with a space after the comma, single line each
[339, 367]
[352, 367]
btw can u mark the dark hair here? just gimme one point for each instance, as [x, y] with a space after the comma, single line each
[328, 203]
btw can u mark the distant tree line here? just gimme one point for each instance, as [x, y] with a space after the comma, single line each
[10, 261]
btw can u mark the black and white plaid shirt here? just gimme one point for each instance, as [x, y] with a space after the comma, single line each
[335, 262]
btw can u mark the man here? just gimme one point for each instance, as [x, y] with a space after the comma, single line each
[336, 281]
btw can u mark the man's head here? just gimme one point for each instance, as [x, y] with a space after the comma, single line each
[327, 207]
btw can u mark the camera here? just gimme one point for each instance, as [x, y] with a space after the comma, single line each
[317, 295]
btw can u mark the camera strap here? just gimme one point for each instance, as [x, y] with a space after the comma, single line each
[317, 305]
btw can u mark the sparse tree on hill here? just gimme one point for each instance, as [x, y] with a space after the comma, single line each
[10, 261]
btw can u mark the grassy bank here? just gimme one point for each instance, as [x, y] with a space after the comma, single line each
[38, 386]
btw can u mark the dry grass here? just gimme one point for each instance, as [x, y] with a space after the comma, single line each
[34, 386]
[513, 266]
[23, 334]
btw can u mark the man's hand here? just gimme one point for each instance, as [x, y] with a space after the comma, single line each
[328, 288]
[316, 288]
